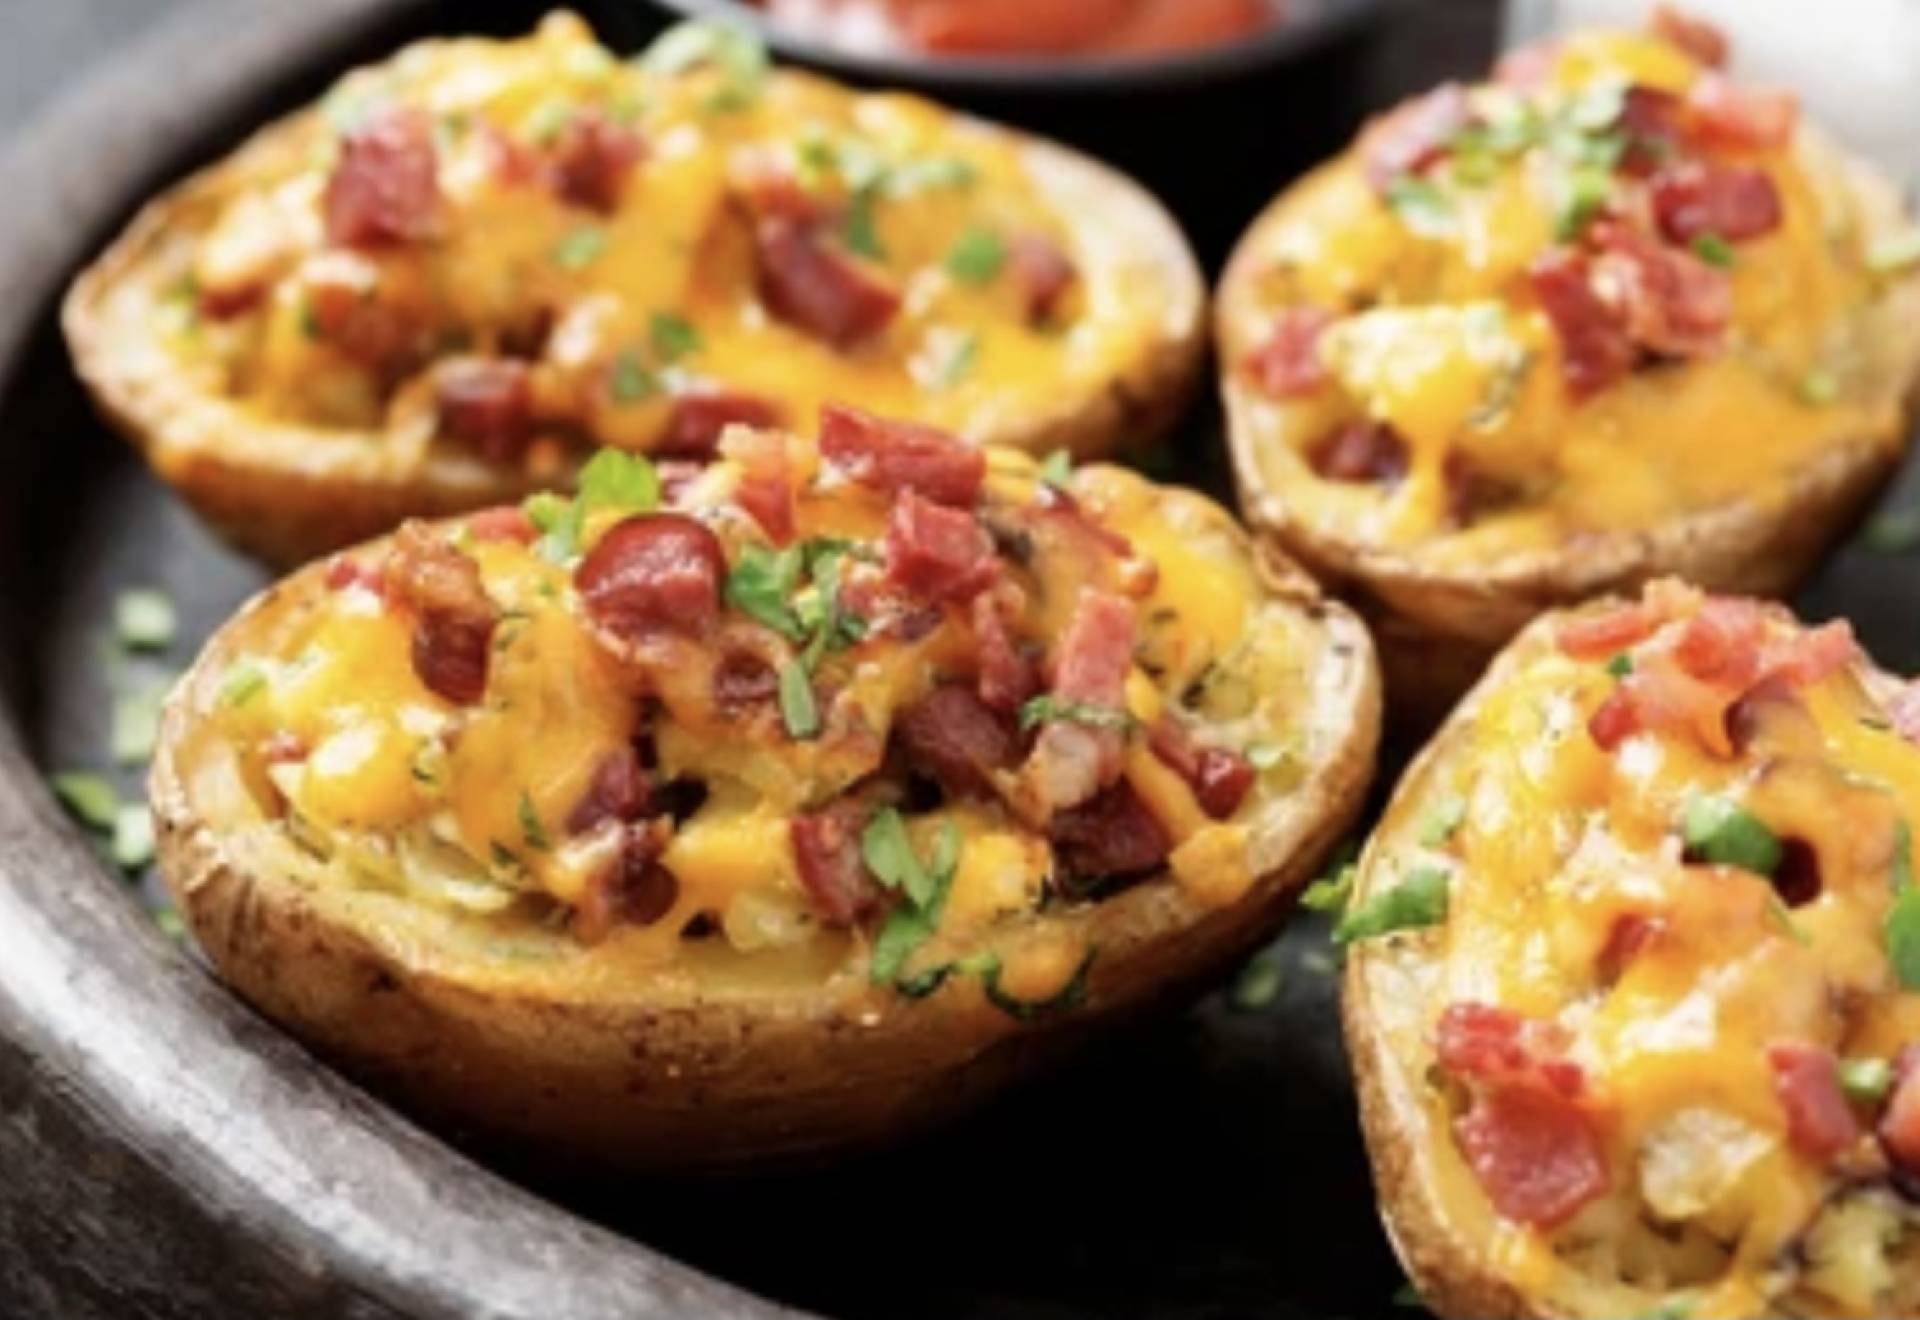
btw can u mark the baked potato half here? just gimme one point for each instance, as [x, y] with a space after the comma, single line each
[444, 285]
[792, 807]
[1633, 961]
[1608, 316]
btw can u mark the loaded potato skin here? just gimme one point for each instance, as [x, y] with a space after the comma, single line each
[741, 812]
[1606, 316]
[1632, 986]
[447, 283]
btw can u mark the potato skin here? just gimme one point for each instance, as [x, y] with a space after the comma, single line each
[1438, 629]
[286, 493]
[668, 1076]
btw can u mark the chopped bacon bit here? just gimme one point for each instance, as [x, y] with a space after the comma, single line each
[653, 572]
[1065, 512]
[765, 487]
[771, 190]
[953, 738]
[1112, 836]
[1806, 1081]
[345, 571]
[1671, 301]
[1220, 778]
[1096, 652]
[1722, 642]
[896, 456]
[486, 404]
[1362, 451]
[619, 792]
[938, 553]
[815, 288]
[386, 187]
[1652, 122]
[593, 158]
[1287, 363]
[1535, 1153]
[1724, 114]
[1629, 934]
[743, 681]
[453, 636]
[1812, 655]
[1899, 1128]
[511, 161]
[1007, 677]
[1699, 38]
[508, 522]
[826, 850]
[225, 304]
[1486, 1043]
[1903, 709]
[698, 419]
[1414, 134]
[347, 311]
[1595, 350]
[635, 889]
[284, 747]
[1042, 272]
[1734, 202]
[1616, 720]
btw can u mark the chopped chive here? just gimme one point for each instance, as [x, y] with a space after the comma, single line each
[674, 337]
[580, 249]
[1866, 1080]
[145, 619]
[91, 799]
[1819, 388]
[132, 845]
[630, 381]
[977, 256]
[798, 709]
[244, 681]
[1418, 901]
[1714, 250]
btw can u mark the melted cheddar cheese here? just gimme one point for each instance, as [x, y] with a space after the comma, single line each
[798, 778]
[1679, 902]
[615, 298]
[1495, 426]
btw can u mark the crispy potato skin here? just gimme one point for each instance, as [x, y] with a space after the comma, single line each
[667, 1075]
[1438, 629]
[286, 493]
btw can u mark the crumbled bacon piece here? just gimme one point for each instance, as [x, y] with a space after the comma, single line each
[815, 288]
[743, 681]
[1220, 778]
[1595, 349]
[1653, 123]
[695, 425]
[1042, 273]
[454, 619]
[653, 572]
[1007, 677]
[1806, 1081]
[953, 738]
[1287, 364]
[1899, 1127]
[1490, 1044]
[1671, 302]
[507, 522]
[385, 189]
[937, 553]
[1363, 451]
[826, 851]
[347, 309]
[895, 456]
[1725, 114]
[1112, 836]
[634, 889]
[1722, 642]
[593, 158]
[1629, 935]
[1697, 198]
[1074, 758]
[486, 404]
[765, 487]
[1699, 38]
[1414, 134]
[619, 792]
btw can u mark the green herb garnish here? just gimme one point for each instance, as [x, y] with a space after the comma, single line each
[145, 619]
[1588, 189]
[860, 229]
[1895, 253]
[135, 723]
[1418, 901]
[889, 854]
[91, 799]
[1621, 665]
[1894, 531]
[615, 479]
[1443, 822]
[132, 843]
[1866, 1080]
[1259, 983]
[242, 682]
[762, 584]
[1819, 388]
[1265, 756]
[1421, 206]
[674, 337]
[798, 709]
[1714, 250]
[1047, 707]
[1330, 892]
[977, 256]
[630, 380]
[531, 830]
[1056, 469]
[1723, 833]
[1070, 996]
[960, 362]
[580, 248]
[730, 49]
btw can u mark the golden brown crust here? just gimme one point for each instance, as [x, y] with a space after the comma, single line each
[608, 1074]
[1438, 627]
[287, 492]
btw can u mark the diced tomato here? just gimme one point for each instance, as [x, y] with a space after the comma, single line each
[1414, 134]
[1673, 303]
[1604, 634]
[1699, 38]
[1042, 272]
[508, 522]
[1536, 1154]
[593, 158]
[487, 405]
[619, 792]
[1111, 836]
[937, 553]
[818, 289]
[385, 189]
[955, 739]
[1096, 652]
[1595, 349]
[896, 456]
[826, 852]
[698, 419]
[1361, 451]
[1007, 677]
[1806, 1081]
[653, 572]
[1697, 198]
[1725, 114]
[1899, 1127]
[454, 618]
[1722, 642]
[1287, 364]
[1220, 778]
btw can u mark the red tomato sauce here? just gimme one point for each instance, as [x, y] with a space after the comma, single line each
[1030, 27]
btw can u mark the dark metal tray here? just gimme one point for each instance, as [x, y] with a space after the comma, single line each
[168, 1154]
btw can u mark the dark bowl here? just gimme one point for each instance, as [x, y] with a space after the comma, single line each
[1214, 132]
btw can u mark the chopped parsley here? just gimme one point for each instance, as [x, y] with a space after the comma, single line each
[1264, 756]
[580, 248]
[1723, 833]
[135, 724]
[145, 619]
[611, 479]
[1586, 192]
[959, 362]
[1902, 929]
[762, 584]
[674, 337]
[531, 830]
[798, 709]
[90, 798]
[889, 853]
[977, 256]
[1621, 665]
[1714, 250]
[1418, 901]
[630, 380]
[1056, 469]
[1047, 708]
[1443, 821]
